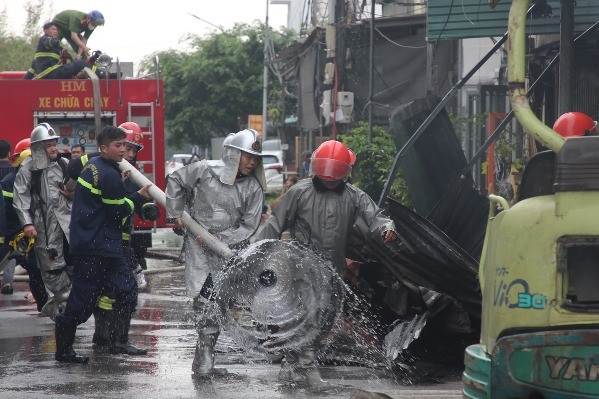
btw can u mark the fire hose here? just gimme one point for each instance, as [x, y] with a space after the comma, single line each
[271, 295]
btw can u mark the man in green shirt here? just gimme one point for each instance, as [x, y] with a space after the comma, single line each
[77, 27]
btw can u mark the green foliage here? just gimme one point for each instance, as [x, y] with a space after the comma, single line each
[17, 54]
[374, 161]
[33, 29]
[505, 146]
[18, 51]
[3, 24]
[208, 89]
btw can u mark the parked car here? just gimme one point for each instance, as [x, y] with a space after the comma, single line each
[177, 161]
[273, 170]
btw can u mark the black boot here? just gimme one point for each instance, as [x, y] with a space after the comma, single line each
[103, 321]
[120, 336]
[65, 336]
[36, 284]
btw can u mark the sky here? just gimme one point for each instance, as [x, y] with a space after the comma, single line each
[136, 28]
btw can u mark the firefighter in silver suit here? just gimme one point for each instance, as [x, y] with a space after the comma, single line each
[42, 200]
[225, 197]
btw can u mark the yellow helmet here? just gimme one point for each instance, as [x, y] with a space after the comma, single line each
[21, 157]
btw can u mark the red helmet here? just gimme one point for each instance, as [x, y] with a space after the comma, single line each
[572, 124]
[134, 134]
[19, 148]
[332, 161]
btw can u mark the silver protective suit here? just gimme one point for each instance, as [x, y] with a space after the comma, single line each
[50, 213]
[324, 219]
[228, 208]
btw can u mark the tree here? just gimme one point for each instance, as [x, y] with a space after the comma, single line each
[208, 89]
[18, 51]
[373, 162]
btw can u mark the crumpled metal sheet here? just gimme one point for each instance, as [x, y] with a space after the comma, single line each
[425, 257]
[402, 335]
[432, 170]
[279, 295]
[462, 215]
[405, 332]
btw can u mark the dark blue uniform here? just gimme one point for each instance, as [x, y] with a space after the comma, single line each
[147, 210]
[3, 232]
[99, 208]
[13, 227]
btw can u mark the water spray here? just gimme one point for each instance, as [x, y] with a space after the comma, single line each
[272, 295]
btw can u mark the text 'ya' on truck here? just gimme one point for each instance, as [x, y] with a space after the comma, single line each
[539, 270]
[78, 108]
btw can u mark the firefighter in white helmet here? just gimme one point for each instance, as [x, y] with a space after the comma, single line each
[41, 200]
[226, 198]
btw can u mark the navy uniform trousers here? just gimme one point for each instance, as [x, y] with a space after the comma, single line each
[95, 275]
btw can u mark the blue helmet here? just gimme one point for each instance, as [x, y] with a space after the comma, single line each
[96, 17]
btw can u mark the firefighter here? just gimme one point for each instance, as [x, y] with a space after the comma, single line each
[140, 242]
[45, 212]
[5, 165]
[226, 198]
[77, 151]
[47, 61]
[99, 208]
[76, 27]
[104, 316]
[2, 224]
[321, 212]
[21, 245]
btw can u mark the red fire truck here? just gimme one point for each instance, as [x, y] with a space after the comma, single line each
[78, 108]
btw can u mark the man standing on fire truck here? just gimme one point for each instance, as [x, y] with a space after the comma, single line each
[45, 212]
[76, 27]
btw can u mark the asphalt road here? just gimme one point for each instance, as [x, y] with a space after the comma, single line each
[163, 325]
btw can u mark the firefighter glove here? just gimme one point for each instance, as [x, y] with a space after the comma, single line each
[149, 211]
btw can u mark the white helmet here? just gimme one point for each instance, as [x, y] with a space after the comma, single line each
[43, 132]
[247, 140]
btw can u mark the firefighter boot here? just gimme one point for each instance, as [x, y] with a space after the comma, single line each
[308, 366]
[65, 336]
[103, 326]
[288, 373]
[104, 321]
[203, 361]
[120, 335]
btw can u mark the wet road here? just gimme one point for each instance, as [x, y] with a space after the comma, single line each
[163, 325]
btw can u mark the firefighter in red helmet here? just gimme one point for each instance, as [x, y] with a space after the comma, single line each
[321, 212]
[140, 242]
[134, 135]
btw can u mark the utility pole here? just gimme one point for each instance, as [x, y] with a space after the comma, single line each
[371, 76]
[265, 76]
